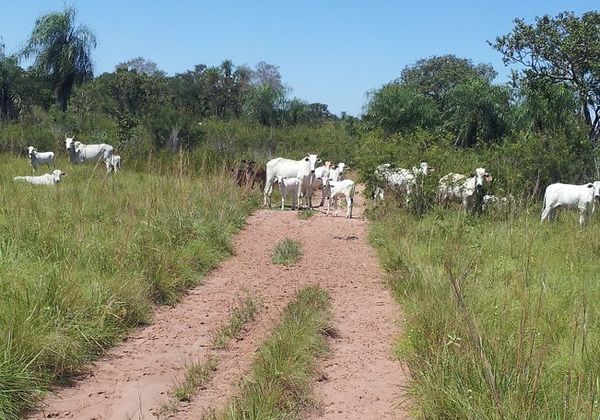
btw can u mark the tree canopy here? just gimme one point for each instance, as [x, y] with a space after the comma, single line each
[63, 51]
[564, 49]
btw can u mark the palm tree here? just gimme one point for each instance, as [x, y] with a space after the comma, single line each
[62, 51]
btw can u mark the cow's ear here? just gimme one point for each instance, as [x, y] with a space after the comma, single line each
[590, 185]
[243, 160]
[306, 159]
[473, 174]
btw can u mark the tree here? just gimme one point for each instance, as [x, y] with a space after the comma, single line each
[546, 108]
[560, 50]
[63, 51]
[477, 111]
[399, 108]
[10, 74]
[267, 74]
[435, 76]
[141, 65]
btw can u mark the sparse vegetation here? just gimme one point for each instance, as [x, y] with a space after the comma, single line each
[287, 252]
[240, 316]
[280, 382]
[198, 374]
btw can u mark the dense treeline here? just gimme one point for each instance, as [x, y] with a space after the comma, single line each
[541, 127]
[137, 106]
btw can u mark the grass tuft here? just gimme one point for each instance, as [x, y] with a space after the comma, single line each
[279, 385]
[197, 375]
[306, 214]
[287, 252]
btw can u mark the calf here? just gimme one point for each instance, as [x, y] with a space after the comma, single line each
[113, 163]
[289, 186]
[46, 179]
[571, 196]
[39, 158]
[333, 189]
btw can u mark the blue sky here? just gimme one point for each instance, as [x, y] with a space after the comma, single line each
[327, 51]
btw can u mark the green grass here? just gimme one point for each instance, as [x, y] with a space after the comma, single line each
[502, 314]
[239, 317]
[279, 386]
[197, 374]
[287, 252]
[306, 214]
[84, 261]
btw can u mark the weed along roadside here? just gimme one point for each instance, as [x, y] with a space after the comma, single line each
[279, 385]
[75, 277]
[500, 313]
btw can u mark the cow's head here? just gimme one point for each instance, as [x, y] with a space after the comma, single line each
[69, 141]
[424, 167]
[341, 166]
[57, 174]
[481, 176]
[596, 186]
[30, 151]
[312, 160]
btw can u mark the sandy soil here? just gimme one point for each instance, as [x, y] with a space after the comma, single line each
[359, 379]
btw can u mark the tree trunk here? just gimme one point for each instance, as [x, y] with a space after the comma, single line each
[63, 92]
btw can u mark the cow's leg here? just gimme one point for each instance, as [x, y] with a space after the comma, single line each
[267, 192]
[283, 197]
[299, 197]
[546, 213]
[349, 206]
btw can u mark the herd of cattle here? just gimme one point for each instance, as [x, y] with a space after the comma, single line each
[301, 178]
[78, 153]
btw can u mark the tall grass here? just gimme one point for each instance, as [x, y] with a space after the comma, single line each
[287, 252]
[279, 385]
[83, 261]
[503, 320]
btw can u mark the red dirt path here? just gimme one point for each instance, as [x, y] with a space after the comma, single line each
[359, 379]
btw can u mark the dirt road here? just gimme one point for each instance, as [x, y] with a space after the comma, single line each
[358, 380]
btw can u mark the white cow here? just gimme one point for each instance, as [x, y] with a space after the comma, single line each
[334, 189]
[571, 196]
[113, 163]
[338, 172]
[46, 179]
[289, 186]
[462, 189]
[400, 180]
[40, 158]
[303, 169]
[81, 153]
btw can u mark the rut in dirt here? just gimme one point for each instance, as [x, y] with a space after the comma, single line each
[358, 379]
